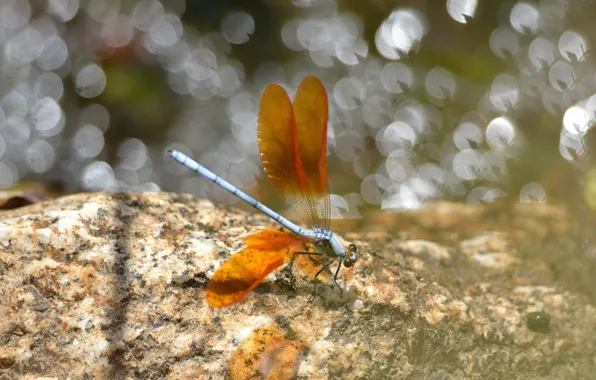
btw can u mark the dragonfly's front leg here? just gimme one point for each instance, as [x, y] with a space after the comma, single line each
[321, 271]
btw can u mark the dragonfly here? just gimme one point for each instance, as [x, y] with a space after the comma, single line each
[292, 141]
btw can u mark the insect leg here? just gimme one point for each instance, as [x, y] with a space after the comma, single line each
[318, 273]
[335, 280]
[290, 266]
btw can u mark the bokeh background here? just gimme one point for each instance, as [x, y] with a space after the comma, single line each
[465, 100]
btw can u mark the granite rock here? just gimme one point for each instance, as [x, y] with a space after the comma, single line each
[110, 286]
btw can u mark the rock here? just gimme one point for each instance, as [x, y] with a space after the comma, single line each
[112, 286]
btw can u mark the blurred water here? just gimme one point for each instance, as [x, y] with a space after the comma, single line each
[429, 101]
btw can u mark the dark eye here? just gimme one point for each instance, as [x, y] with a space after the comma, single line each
[351, 256]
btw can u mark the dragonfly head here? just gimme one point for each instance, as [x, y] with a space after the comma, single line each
[351, 256]
[348, 257]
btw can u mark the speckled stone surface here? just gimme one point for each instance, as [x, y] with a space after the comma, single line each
[112, 286]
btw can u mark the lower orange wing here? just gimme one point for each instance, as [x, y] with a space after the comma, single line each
[264, 252]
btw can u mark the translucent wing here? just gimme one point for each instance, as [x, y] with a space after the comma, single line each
[311, 114]
[292, 142]
[278, 142]
[240, 274]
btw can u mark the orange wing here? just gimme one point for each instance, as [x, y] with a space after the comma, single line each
[292, 142]
[240, 274]
[311, 114]
[278, 142]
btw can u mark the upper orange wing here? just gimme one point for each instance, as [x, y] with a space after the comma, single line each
[311, 114]
[240, 274]
[278, 141]
[293, 142]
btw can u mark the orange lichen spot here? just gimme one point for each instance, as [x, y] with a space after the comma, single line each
[88, 276]
[266, 354]
[264, 252]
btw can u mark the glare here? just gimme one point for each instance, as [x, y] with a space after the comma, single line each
[8, 175]
[103, 10]
[14, 104]
[571, 146]
[46, 114]
[591, 105]
[468, 136]
[553, 101]
[401, 33]
[98, 175]
[413, 115]
[163, 33]
[64, 10]
[525, 18]
[532, 193]
[132, 153]
[96, 114]
[201, 64]
[289, 34]
[399, 162]
[573, 46]
[372, 187]
[50, 84]
[24, 47]
[484, 195]
[440, 85]
[395, 136]
[16, 130]
[541, 53]
[40, 156]
[495, 165]
[2, 146]
[53, 55]
[146, 13]
[462, 10]
[504, 92]
[504, 42]
[500, 133]
[407, 29]
[237, 27]
[14, 13]
[467, 164]
[397, 77]
[348, 93]
[577, 120]
[90, 81]
[402, 198]
[89, 141]
[348, 145]
[174, 60]
[117, 32]
[561, 76]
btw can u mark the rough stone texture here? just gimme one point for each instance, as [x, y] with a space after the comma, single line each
[112, 286]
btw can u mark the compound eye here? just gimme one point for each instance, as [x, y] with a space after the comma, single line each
[351, 256]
